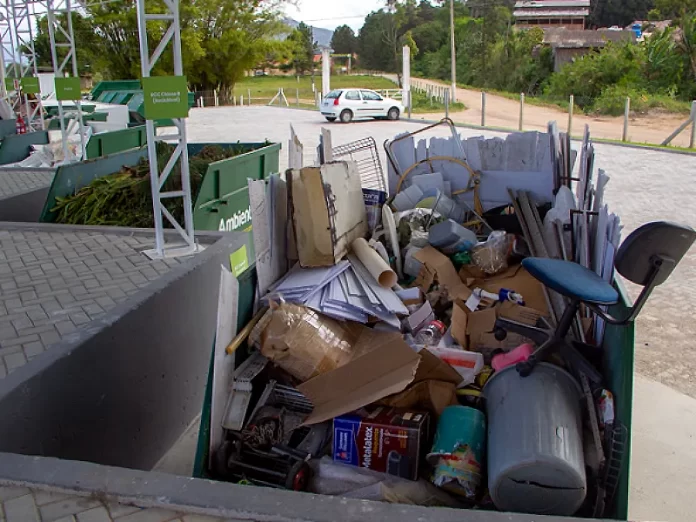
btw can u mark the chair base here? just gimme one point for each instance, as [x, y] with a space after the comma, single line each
[547, 338]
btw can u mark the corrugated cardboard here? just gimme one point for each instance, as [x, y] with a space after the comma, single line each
[387, 369]
[475, 330]
[328, 211]
[515, 278]
[438, 265]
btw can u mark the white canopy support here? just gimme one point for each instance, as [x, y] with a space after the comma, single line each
[172, 35]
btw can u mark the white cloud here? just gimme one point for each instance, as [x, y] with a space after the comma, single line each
[328, 14]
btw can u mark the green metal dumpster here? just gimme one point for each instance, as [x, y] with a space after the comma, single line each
[222, 201]
[618, 368]
[16, 147]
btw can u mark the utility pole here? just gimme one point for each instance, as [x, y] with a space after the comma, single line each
[454, 55]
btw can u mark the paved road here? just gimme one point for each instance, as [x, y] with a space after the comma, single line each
[504, 113]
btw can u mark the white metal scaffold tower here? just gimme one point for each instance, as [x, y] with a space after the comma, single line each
[171, 35]
[22, 30]
[64, 38]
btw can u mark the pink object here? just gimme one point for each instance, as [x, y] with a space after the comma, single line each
[519, 354]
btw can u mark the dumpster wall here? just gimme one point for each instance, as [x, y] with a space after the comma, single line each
[16, 147]
[123, 389]
[25, 207]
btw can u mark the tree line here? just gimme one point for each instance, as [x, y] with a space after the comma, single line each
[492, 53]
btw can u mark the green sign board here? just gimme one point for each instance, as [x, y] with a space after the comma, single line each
[9, 84]
[68, 89]
[165, 97]
[239, 261]
[30, 85]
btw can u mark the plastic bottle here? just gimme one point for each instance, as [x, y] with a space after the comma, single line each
[430, 335]
[450, 237]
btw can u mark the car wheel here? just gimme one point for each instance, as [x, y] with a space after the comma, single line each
[331, 119]
[346, 116]
[393, 114]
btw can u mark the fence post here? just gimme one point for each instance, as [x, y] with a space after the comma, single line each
[692, 141]
[215, 97]
[241, 100]
[408, 93]
[521, 111]
[297, 95]
[626, 111]
[483, 109]
[249, 95]
[446, 93]
[571, 108]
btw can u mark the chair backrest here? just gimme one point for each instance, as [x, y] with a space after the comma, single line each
[671, 241]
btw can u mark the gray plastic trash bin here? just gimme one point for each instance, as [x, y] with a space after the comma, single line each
[535, 461]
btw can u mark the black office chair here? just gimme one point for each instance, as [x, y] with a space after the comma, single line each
[647, 257]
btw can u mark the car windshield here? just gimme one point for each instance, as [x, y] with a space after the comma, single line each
[333, 94]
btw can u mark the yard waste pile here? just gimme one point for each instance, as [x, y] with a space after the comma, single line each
[433, 357]
[124, 198]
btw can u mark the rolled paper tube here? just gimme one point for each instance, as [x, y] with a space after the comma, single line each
[374, 263]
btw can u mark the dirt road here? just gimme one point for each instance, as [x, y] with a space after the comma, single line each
[504, 113]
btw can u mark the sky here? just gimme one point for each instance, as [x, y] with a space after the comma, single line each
[330, 14]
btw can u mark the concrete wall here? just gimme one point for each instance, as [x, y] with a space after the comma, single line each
[222, 500]
[25, 207]
[122, 390]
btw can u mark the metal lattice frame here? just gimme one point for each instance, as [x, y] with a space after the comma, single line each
[7, 48]
[62, 38]
[22, 22]
[171, 35]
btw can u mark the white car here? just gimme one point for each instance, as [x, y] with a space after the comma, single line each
[347, 104]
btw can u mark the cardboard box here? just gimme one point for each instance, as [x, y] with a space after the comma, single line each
[475, 331]
[388, 440]
[437, 266]
[328, 211]
[387, 369]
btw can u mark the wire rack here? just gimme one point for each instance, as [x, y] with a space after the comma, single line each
[364, 153]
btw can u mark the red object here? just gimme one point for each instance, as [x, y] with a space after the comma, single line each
[519, 354]
[21, 127]
[335, 101]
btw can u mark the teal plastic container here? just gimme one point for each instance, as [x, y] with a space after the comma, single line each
[459, 450]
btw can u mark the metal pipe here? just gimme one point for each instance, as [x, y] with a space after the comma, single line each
[627, 109]
[571, 108]
[521, 111]
[453, 65]
[483, 109]
[693, 125]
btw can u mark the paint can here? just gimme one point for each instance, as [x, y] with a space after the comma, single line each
[458, 451]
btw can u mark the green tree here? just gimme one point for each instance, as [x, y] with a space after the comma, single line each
[607, 13]
[84, 36]
[344, 40]
[303, 47]
[673, 9]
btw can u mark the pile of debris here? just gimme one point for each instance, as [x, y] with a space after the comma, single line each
[386, 360]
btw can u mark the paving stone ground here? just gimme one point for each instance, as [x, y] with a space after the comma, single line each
[14, 183]
[53, 281]
[35, 505]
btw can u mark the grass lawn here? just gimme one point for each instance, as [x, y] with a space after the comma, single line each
[264, 88]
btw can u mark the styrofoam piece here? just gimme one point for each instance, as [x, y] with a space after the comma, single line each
[408, 198]
[429, 181]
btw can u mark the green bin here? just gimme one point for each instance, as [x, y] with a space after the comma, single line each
[222, 202]
[618, 366]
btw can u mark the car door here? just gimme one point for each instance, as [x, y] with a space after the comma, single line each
[353, 101]
[373, 103]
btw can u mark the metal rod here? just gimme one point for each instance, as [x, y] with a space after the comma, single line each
[483, 109]
[571, 107]
[521, 111]
[453, 52]
[446, 93]
[627, 109]
[693, 125]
